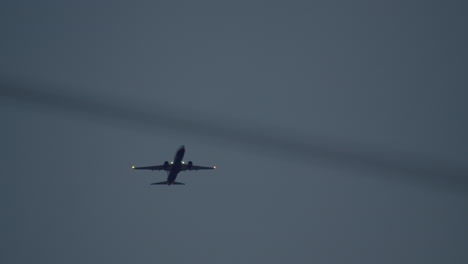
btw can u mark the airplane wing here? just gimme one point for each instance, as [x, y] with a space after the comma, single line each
[194, 167]
[158, 167]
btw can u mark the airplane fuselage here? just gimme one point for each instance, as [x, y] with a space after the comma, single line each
[176, 166]
[173, 168]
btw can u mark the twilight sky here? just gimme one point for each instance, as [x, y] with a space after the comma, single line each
[323, 118]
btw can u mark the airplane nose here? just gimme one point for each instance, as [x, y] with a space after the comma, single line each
[183, 146]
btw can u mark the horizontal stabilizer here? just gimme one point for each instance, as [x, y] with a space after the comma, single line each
[160, 183]
[165, 183]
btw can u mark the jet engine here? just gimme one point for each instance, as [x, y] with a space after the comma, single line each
[189, 165]
[166, 164]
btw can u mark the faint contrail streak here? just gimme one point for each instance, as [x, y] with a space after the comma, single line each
[442, 174]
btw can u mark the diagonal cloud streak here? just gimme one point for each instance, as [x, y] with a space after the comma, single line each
[444, 175]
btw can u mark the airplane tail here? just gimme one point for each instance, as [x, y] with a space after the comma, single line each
[165, 183]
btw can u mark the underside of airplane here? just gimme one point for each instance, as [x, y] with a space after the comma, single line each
[173, 168]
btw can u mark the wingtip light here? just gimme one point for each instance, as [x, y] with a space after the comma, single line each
[133, 167]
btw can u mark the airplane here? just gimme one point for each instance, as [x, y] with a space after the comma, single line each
[173, 168]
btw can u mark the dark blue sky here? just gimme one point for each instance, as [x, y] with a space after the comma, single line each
[382, 78]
